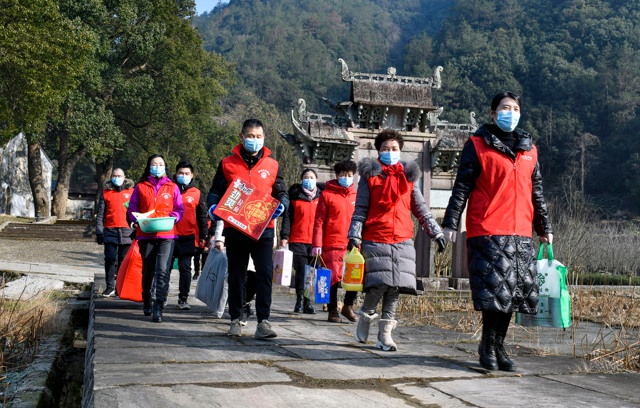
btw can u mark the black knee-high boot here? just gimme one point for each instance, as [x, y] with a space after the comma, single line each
[504, 363]
[486, 349]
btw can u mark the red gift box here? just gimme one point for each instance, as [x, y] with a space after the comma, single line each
[246, 208]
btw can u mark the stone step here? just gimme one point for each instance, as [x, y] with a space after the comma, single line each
[60, 231]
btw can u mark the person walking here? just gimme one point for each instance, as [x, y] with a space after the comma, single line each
[252, 161]
[155, 191]
[191, 230]
[388, 193]
[333, 216]
[112, 229]
[499, 182]
[297, 229]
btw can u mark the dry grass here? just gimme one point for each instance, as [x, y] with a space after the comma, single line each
[23, 323]
[615, 347]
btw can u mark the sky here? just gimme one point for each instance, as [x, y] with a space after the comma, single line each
[206, 5]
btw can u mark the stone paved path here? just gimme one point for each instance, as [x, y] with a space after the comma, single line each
[188, 361]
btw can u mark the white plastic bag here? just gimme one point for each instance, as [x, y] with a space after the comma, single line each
[212, 286]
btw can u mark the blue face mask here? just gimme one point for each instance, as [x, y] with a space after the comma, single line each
[345, 181]
[117, 181]
[309, 184]
[156, 171]
[254, 145]
[182, 179]
[508, 120]
[390, 157]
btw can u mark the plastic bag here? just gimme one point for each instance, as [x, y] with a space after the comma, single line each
[554, 305]
[129, 281]
[212, 282]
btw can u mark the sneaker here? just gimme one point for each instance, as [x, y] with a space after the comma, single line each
[243, 320]
[234, 329]
[264, 330]
[109, 292]
[196, 276]
[183, 305]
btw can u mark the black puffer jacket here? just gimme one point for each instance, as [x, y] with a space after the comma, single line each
[502, 268]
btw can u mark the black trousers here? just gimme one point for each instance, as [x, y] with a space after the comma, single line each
[239, 248]
[299, 264]
[156, 268]
[113, 256]
[184, 249]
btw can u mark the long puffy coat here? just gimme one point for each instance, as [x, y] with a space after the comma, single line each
[388, 261]
[502, 267]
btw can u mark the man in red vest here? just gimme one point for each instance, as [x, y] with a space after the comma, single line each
[112, 228]
[251, 161]
[191, 229]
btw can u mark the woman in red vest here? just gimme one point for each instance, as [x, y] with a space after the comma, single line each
[155, 191]
[296, 231]
[388, 193]
[499, 176]
[329, 239]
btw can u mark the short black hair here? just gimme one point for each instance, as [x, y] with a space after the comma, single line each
[345, 165]
[307, 170]
[147, 170]
[388, 134]
[251, 123]
[184, 165]
[496, 99]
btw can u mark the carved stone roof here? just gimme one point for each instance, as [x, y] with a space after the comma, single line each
[391, 89]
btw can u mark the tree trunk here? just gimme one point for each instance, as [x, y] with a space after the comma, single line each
[36, 180]
[66, 165]
[103, 173]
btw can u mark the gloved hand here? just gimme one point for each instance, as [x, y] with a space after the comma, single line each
[278, 212]
[100, 239]
[211, 214]
[450, 234]
[315, 251]
[353, 242]
[442, 243]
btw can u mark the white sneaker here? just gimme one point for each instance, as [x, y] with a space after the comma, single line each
[183, 305]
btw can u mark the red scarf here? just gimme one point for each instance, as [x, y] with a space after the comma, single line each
[395, 184]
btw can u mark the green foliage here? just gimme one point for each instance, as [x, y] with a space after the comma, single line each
[42, 56]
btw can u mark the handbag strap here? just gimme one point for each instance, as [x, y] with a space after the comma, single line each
[315, 261]
[549, 251]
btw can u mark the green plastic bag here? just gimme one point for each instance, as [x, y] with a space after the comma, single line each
[554, 305]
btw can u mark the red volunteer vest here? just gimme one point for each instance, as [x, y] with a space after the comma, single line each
[149, 200]
[501, 203]
[262, 175]
[387, 225]
[188, 225]
[334, 216]
[115, 213]
[304, 212]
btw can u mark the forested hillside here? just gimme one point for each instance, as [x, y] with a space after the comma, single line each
[575, 63]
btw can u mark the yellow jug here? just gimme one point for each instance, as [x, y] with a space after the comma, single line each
[353, 270]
